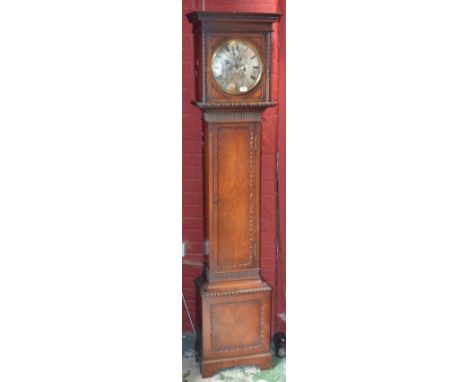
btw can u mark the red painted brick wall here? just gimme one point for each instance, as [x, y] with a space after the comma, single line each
[192, 201]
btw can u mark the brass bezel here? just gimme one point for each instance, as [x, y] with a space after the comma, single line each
[250, 45]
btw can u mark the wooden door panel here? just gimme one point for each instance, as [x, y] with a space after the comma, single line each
[237, 325]
[235, 178]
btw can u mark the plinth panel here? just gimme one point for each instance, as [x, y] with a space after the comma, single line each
[236, 325]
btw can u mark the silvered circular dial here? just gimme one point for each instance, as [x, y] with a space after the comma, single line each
[236, 67]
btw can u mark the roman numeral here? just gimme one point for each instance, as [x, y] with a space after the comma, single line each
[253, 77]
[256, 67]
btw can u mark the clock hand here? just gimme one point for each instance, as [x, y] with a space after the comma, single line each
[234, 54]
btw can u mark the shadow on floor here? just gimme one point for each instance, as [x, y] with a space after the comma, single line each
[191, 369]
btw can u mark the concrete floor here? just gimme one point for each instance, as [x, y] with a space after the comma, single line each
[191, 369]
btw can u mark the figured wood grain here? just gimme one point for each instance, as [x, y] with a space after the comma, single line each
[232, 195]
[235, 199]
[236, 325]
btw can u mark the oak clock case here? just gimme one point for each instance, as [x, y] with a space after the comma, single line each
[232, 70]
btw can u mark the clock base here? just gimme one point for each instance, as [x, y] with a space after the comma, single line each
[210, 367]
[235, 325]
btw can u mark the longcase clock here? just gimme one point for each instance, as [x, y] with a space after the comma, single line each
[232, 77]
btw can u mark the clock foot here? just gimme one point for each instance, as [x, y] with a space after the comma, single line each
[211, 367]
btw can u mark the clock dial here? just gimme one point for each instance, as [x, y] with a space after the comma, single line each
[236, 67]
